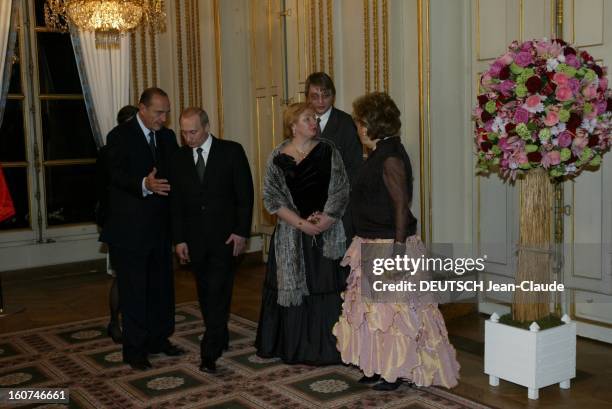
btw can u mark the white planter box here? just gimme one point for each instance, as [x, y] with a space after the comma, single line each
[531, 358]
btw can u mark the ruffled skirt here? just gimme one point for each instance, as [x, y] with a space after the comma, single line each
[396, 340]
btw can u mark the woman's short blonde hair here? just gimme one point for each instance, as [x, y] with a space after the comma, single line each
[291, 115]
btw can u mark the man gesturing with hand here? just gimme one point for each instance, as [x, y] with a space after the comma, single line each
[212, 205]
[138, 228]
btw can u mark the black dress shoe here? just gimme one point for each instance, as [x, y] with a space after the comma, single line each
[369, 379]
[139, 364]
[387, 386]
[173, 350]
[208, 366]
[114, 331]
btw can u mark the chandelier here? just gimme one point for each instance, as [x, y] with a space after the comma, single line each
[108, 19]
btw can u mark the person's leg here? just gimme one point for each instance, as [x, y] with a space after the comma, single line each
[215, 281]
[114, 326]
[160, 301]
[132, 278]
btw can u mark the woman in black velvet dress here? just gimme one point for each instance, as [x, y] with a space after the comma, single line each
[306, 187]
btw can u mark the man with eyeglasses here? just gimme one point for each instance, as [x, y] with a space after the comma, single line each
[337, 126]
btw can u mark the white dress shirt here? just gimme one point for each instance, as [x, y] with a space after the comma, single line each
[145, 192]
[324, 118]
[205, 149]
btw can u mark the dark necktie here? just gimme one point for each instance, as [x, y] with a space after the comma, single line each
[319, 127]
[200, 165]
[152, 144]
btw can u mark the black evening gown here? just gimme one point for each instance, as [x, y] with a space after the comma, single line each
[303, 334]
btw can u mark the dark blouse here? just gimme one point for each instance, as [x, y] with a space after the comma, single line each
[382, 193]
[308, 181]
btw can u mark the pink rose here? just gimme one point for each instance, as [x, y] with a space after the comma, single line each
[551, 158]
[505, 87]
[495, 68]
[523, 59]
[506, 59]
[563, 93]
[486, 80]
[574, 85]
[572, 60]
[603, 83]
[560, 79]
[601, 107]
[533, 101]
[578, 144]
[552, 118]
[589, 92]
[521, 115]
[564, 139]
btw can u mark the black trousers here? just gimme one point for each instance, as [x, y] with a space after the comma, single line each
[146, 297]
[214, 274]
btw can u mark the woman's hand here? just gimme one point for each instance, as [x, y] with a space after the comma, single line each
[309, 228]
[322, 220]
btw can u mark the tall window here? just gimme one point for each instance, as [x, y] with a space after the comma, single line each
[46, 143]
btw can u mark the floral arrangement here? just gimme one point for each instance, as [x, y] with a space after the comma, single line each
[542, 104]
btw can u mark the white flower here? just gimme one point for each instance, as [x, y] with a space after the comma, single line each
[561, 58]
[165, 382]
[589, 124]
[551, 64]
[557, 129]
[571, 168]
[14, 378]
[329, 386]
[499, 124]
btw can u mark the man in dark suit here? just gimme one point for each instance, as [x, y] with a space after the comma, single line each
[103, 179]
[337, 126]
[212, 205]
[137, 229]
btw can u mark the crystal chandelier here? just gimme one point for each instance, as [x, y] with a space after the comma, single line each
[108, 19]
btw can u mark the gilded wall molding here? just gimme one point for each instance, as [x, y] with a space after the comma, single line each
[143, 58]
[376, 48]
[218, 62]
[313, 37]
[198, 55]
[330, 39]
[179, 54]
[189, 45]
[376, 44]
[321, 35]
[153, 53]
[385, 31]
[134, 67]
[366, 42]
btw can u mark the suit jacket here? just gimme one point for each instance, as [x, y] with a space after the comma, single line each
[341, 130]
[205, 214]
[136, 222]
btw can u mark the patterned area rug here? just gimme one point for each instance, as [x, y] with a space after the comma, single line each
[80, 357]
